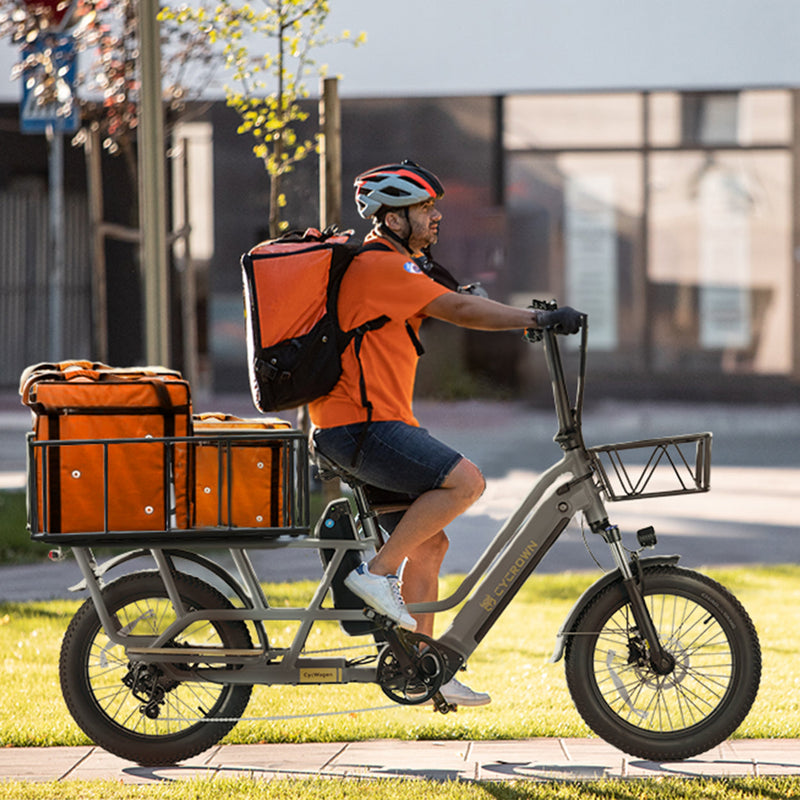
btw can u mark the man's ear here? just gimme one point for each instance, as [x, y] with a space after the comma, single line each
[394, 220]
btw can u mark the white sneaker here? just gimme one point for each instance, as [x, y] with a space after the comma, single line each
[459, 695]
[381, 592]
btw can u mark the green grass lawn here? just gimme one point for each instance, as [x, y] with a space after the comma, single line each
[15, 541]
[529, 694]
[359, 789]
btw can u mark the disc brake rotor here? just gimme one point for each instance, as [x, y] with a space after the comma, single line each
[674, 678]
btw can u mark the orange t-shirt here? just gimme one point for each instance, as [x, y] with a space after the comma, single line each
[378, 282]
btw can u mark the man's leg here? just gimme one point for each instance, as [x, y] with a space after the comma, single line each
[428, 515]
[421, 585]
[421, 577]
[406, 459]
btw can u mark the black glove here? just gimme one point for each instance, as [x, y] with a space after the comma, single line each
[561, 320]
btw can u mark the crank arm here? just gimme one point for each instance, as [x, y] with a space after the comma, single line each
[395, 639]
[441, 705]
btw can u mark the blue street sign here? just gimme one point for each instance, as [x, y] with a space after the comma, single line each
[38, 117]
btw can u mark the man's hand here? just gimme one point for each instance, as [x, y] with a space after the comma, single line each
[562, 320]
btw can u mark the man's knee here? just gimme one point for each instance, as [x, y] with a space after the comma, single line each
[467, 479]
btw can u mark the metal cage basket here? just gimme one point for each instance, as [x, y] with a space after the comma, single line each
[654, 467]
[233, 489]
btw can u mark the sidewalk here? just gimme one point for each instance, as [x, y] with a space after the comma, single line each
[530, 759]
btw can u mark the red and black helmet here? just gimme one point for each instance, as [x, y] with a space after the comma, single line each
[396, 186]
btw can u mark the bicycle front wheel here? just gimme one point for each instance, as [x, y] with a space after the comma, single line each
[705, 695]
[136, 710]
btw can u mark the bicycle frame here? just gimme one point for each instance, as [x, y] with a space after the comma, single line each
[567, 488]
[564, 490]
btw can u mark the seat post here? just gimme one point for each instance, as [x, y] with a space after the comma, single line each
[369, 510]
[366, 514]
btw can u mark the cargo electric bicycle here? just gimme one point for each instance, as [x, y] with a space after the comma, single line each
[158, 664]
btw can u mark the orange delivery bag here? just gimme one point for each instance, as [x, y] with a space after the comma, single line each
[240, 480]
[85, 479]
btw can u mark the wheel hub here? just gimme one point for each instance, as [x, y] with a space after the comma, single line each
[664, 679]
[646, 663]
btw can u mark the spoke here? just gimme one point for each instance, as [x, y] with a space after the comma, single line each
[109, 694]
[205, 692]
[672, 702]
[106, 661]
[177, 710]
[183, 705]
[97, 672]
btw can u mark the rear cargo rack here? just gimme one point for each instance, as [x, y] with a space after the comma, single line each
[654, 467]
[289, 518]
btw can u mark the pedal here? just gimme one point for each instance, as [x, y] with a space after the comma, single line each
[381, 620]
[441, 705]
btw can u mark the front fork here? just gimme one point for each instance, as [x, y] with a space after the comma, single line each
[661, 661]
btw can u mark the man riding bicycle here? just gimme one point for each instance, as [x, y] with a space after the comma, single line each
[389, 277]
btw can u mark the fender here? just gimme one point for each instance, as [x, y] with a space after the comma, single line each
[598, 585]
[198, 559]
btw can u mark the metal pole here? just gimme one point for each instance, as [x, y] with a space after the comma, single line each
[643, 329]
[189, 279]
[330, 199]
[795, 273]
[330, 155]
[94, 179]
[56, 276]
[152, 188]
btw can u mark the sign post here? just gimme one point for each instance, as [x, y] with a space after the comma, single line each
[48, 107]
[48, 86]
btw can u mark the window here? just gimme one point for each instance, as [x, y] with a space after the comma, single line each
[710, 118]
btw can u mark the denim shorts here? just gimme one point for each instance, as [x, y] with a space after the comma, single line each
[393, 455]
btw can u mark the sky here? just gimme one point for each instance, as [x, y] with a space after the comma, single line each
[462, 47]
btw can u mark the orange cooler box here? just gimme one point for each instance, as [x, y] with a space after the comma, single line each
[255, 496]
[145, 485]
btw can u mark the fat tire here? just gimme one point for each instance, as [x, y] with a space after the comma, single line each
[104, 723]
[722, 633]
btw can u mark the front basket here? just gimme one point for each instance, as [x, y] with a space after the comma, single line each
[654, 467]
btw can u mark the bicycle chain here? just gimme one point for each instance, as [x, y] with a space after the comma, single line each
[288, 717]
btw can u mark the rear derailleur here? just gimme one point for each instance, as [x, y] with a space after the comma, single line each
[149, 685]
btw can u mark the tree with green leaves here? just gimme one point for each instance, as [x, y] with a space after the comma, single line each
[105, 38]
[267, 83]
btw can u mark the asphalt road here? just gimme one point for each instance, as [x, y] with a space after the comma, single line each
[749, 516]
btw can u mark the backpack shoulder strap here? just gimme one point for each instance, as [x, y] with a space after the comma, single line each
[376, 246]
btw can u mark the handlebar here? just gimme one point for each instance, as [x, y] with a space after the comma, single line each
[570, 417]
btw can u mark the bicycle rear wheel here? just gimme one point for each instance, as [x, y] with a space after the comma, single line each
[136, 710]
[703, 698]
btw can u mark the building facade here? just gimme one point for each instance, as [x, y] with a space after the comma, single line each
[639, 163]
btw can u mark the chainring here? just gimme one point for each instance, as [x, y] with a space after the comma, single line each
[420, 680]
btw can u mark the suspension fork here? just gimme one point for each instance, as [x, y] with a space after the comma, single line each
[661, 661]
